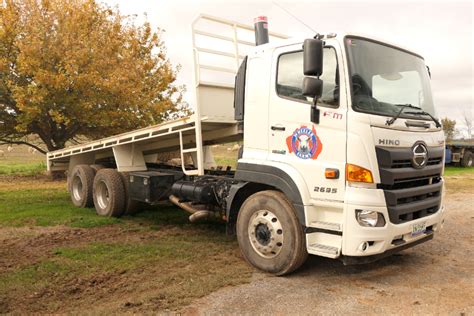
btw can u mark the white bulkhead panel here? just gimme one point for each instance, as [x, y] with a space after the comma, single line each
[256, 105]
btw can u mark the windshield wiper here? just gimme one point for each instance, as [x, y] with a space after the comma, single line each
[437, 123]
[403, 107]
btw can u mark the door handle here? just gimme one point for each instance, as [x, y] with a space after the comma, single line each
[278, 128]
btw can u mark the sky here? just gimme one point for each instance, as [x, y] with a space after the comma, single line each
[440, 31]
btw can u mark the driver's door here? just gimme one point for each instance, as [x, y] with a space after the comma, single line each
[293, 139]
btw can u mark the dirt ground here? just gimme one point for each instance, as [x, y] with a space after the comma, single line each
[436, 277]
[432, 278]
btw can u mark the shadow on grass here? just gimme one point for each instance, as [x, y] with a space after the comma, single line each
[169, 215]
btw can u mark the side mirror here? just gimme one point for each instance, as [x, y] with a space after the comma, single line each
[313, 57]
[312, 87]
[313, 67]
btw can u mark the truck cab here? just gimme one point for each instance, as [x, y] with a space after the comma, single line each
[367, 175]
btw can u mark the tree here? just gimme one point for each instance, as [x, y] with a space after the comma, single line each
[468, 121]
[449, 128]
[71, 68]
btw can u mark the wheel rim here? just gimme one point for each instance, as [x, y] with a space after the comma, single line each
[77, 188]
[103, 196]
[265, 233]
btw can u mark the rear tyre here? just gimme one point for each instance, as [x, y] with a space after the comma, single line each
[97, 167]
[131, 206]
[269, 233]
[467, 159]
[80, 185]
[109, 193]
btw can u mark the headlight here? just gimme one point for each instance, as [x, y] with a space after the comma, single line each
[370, 218]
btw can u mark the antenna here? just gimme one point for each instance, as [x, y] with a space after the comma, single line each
[294, 17]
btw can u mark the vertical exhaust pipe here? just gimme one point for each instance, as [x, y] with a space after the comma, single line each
[261, 30]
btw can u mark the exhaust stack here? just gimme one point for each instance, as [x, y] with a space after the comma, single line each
[261, 30]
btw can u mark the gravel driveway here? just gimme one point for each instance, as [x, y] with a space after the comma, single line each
[432, 278]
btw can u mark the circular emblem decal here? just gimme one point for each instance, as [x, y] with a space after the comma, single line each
[304, 143]
[420, 156]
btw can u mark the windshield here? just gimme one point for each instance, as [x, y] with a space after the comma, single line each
[384, 79]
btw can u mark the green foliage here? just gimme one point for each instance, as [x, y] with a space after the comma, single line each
[449, 128]
[73, 68]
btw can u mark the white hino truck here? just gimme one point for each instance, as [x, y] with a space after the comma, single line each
[342, 155]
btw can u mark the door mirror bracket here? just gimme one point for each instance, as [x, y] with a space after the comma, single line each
[315, 112]
[313, 67]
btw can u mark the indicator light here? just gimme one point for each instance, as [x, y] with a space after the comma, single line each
[331, 173]
[356, 173]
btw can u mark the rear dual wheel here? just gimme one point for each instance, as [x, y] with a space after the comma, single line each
[80, 183]
[109, 193]
[111, 196]
[106, 189]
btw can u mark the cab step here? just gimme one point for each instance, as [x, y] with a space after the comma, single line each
[324, 250]
[326, 225]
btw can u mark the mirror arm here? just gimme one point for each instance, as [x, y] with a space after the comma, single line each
[315, 112]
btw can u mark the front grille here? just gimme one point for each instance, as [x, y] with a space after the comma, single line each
[410, 193]
[406, 163]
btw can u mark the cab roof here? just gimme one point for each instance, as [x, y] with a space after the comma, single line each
[340, 38]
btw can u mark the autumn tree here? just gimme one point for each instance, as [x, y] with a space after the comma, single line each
[72, 68]
[449, 128]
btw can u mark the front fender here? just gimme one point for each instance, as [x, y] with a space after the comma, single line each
[280, 176]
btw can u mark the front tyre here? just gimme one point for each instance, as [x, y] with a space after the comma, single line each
[109, 193]
[269, 233]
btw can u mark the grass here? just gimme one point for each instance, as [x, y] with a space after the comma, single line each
[226, 155]
[169, 261]
[156, 260]
[22, 168]
[20, 162]
[36, 204]
[456, 171]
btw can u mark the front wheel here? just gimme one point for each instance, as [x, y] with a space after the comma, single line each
[269, 233]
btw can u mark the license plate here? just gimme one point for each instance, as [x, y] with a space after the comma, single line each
[418, 229]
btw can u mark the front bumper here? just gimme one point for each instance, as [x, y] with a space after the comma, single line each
[352, 260]
[380, 241]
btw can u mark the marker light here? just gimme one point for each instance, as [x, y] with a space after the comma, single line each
[331, 173]
[356, 173]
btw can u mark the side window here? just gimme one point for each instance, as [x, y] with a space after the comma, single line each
[290, 77]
